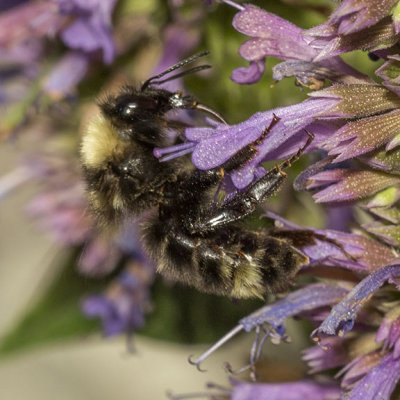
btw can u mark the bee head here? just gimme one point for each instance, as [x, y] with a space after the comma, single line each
[133, 109]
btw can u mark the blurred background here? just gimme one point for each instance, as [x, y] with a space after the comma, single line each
[82, 316]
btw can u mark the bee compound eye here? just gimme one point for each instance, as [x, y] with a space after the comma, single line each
[129, 109]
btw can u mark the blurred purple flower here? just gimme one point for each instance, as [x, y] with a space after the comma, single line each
[301, 390]
[66, 74]
[123, 306]
[91, 28]
[8, 4]
[27, 22]
[27, 29]
[331, 353]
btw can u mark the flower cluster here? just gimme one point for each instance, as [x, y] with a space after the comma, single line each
[355, 123]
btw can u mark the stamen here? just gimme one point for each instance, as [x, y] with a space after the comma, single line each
[233, 332]
[177, 151]
[175, 155]
[233, 4]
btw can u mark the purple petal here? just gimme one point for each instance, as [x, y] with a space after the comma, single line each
[99, 257]
[332, 352]
[123, 307]
[308, 298]
[371, 100]
[380, 382]
[285, 391]
[369, 254]
[91, 29]
[376, 37]
[226, 141]
[349, 185]
[341, 319]
[256, 22]
[354, 15]
[361, 136]
[66, 74]
[389, 331]
[27, 21]
[251, 74]
[357, 368]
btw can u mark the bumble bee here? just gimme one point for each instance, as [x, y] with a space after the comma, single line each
[191, 239]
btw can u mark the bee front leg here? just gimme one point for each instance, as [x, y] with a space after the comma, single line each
[246, 202]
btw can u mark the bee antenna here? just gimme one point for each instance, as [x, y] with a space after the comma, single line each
[183, 73]
[178, 65]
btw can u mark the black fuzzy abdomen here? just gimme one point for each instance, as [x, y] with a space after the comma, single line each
[230, 262]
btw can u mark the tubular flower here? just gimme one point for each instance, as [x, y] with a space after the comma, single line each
[273, 36]
[355, 24]
[355, 125]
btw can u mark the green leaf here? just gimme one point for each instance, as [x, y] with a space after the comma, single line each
[185, 315]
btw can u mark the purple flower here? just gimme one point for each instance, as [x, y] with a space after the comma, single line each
[340, 249]
[66, 74]
[123, 307]
[100, 256]
[354, 15]
[342, 317]
[26, 22]
[361, 136]
[349, 185]
[379, 382]
[356, 24]
[332, 352]
[91, 28]
[273, 36]
[269, 320]
[389, 331]
[357, 368]
[213, 146]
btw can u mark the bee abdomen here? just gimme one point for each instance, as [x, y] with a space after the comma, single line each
[250, 266]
